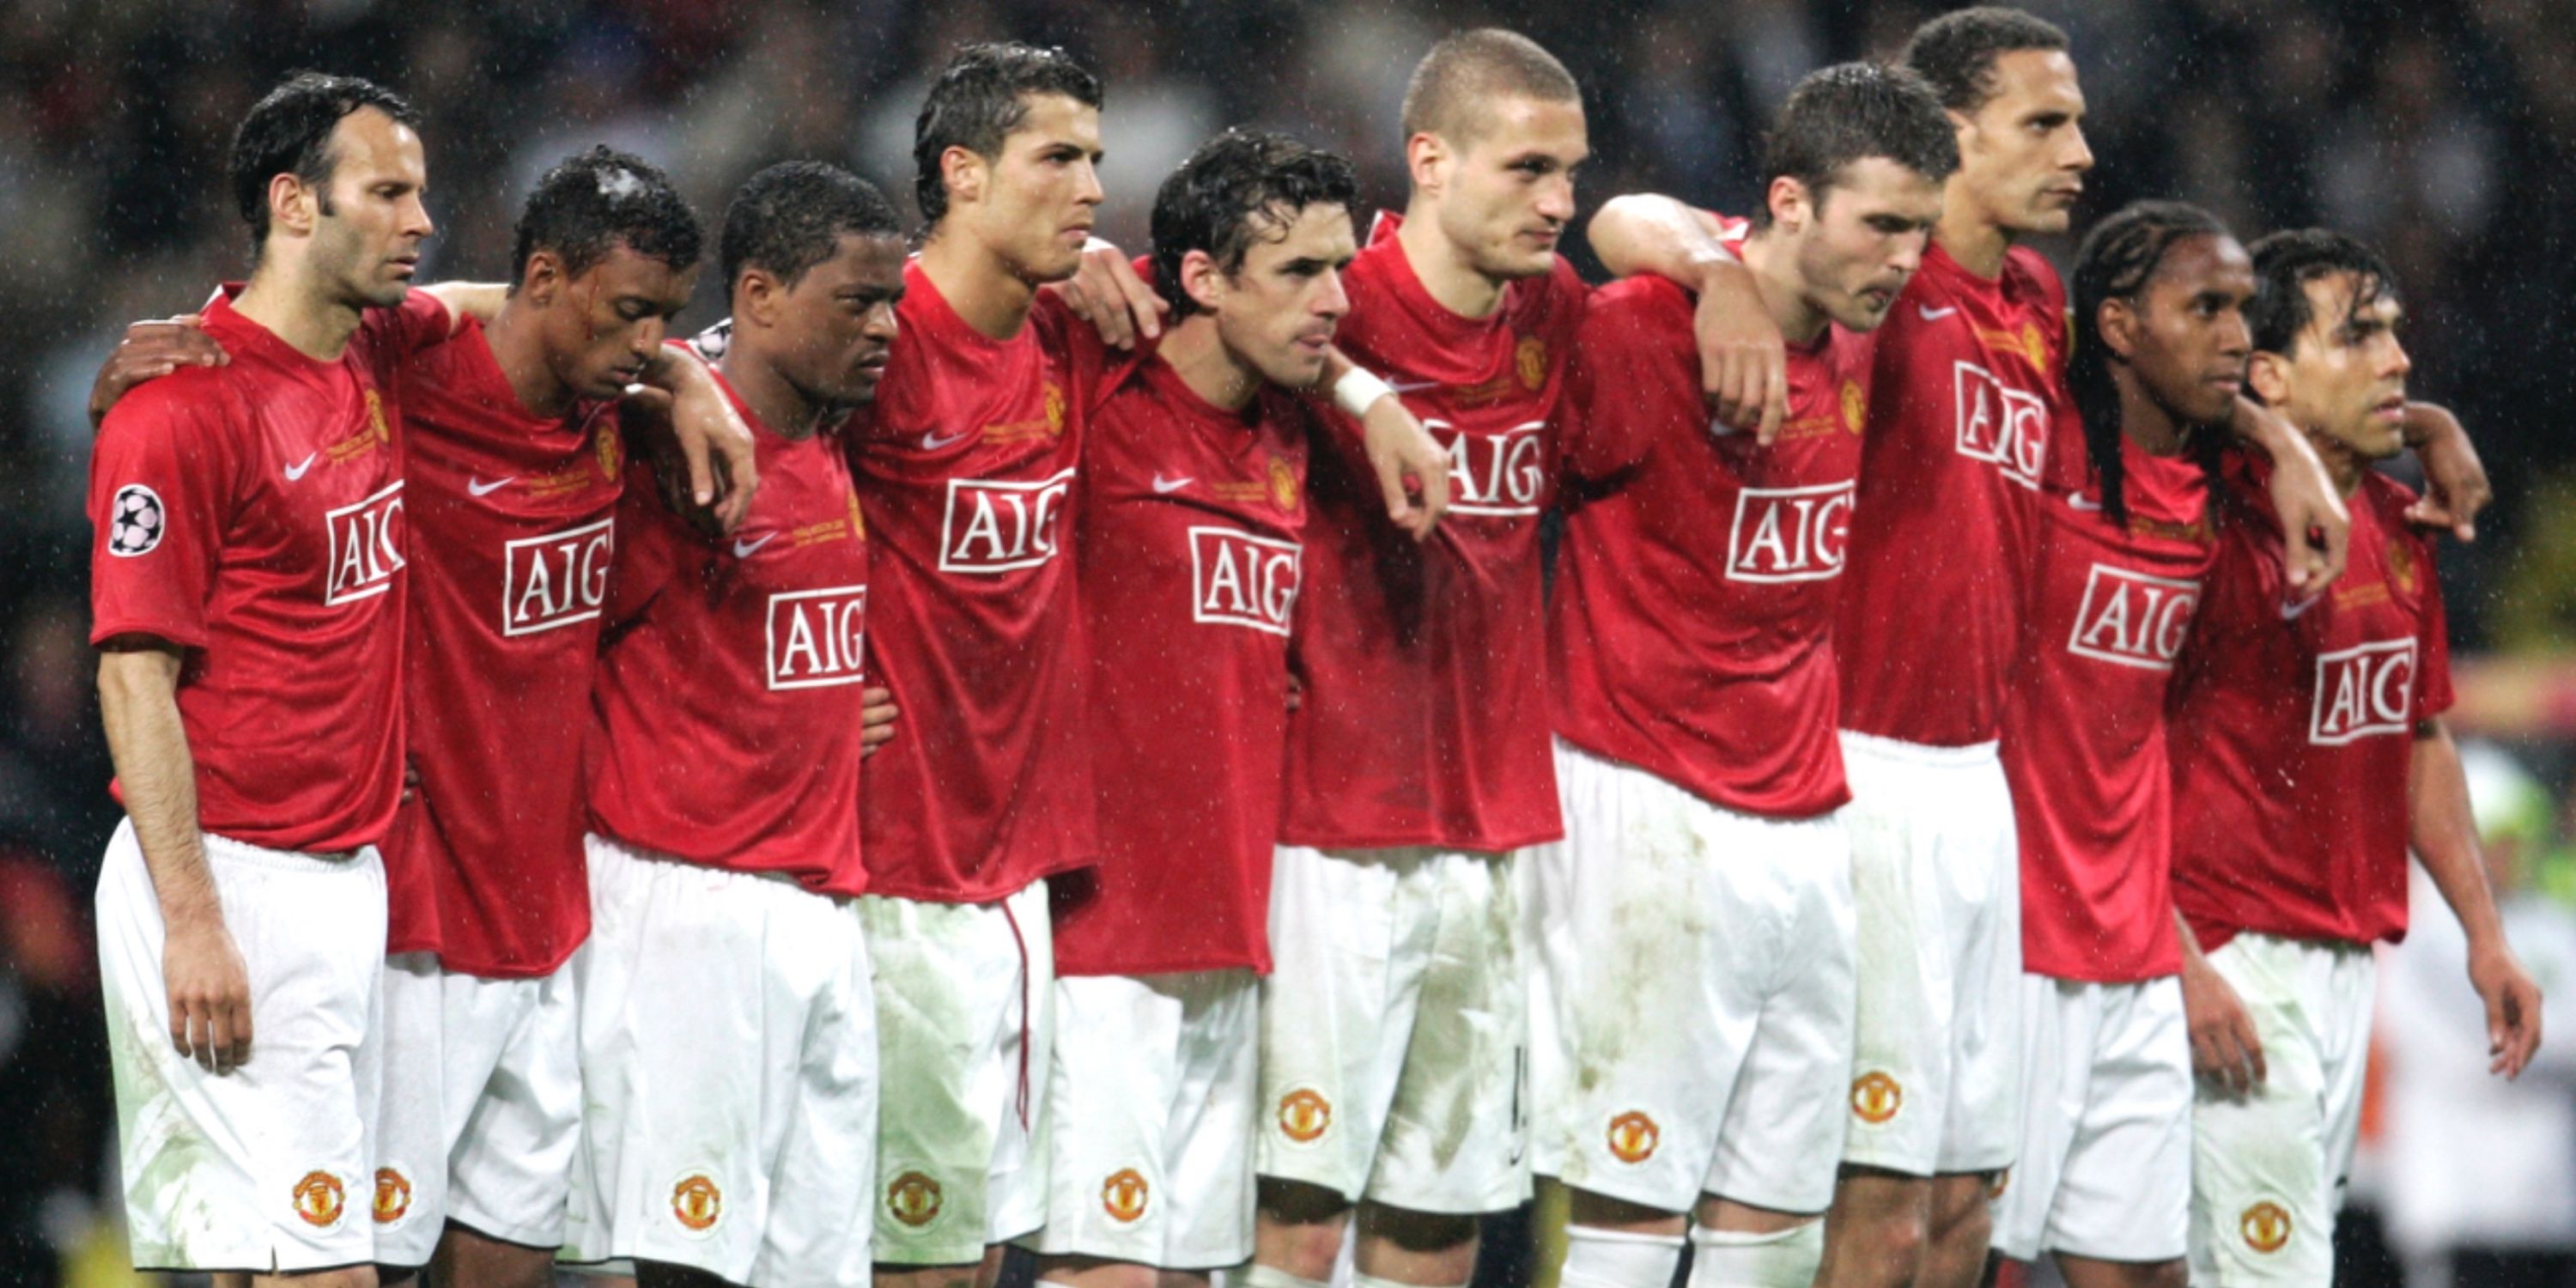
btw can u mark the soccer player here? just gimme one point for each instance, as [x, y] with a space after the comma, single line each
[516, 462]
[968, 460]
[2309, 756]
[1393, 1029]
[728, 1051]
[1695, 927]
[1193, 503]
[247, 593]
[2104, 1178]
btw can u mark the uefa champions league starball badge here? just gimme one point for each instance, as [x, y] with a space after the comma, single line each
[135, 521]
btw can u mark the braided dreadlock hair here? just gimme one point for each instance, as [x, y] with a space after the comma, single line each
[2117, 260]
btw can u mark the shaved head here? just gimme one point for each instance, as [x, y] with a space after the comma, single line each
[1455, 84]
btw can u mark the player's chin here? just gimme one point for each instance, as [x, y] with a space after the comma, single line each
[385, 293]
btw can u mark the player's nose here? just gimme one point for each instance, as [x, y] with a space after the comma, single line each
[2079, 152]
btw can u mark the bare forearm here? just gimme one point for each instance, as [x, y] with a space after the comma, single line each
[139, 706]
[2191, 954]
[480, 301]
[2444, 833]
[1645, 233]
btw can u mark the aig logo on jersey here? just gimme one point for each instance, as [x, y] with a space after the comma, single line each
[2363, 691]
[366, 547]
[817, 638]
[1241, 580]
[996, 527]
[1789, 533]
[1494, 473]
[555, 580]
[2002, 425]
[2132, 619]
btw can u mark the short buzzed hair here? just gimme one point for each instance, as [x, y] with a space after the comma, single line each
[1851, 112]
[1957, 51]
[792, 216]
[1467, 70]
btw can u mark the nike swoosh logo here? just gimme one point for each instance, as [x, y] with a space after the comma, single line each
[2082, 502]
[742, 549]
[480, 488]
[932, 442]
[2292, 612]
[1162, 484]
[297, 470]
[1931, 314]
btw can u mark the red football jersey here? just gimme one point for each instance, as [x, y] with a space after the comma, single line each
[253, 513]
[1425, 715]
[968, 457]
[2084, 723]
[726, 710]
[1967, 406]
[1693, 624]
[2294, 725]
[1191, 518]
[511, 537]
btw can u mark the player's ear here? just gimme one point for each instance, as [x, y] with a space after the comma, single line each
[543, 278]
[1424, 154]
[1788, 200]
[2118, 324]
[292, 204]
[1202, 280]
[965, 171]
[757, 296]
[2268, 375]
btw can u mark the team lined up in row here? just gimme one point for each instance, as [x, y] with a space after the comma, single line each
[711, 999]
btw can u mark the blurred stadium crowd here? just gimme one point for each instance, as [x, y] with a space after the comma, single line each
[2443, 130]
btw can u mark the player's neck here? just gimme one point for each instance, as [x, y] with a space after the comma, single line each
[520, 352]
[1967, 235]
[2145, 421]
[980, 288]
[771, 398]
[1443, 267]
[2343, 465]
[1784, 296]
[297, 308]
[1199, 357]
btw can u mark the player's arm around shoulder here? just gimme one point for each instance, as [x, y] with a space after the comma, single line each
[1412, 468]
[1744, 360]
[2455, 479]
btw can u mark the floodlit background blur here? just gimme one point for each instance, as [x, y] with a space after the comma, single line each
[2444, 130]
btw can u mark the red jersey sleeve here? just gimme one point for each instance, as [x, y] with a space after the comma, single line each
[163, 484]
[420, 321]
[649, 554]
[1628, 346]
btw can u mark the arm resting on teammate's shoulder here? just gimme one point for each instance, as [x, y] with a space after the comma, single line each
[2444, 835]
[152, 348]
[1643, 232]
[2455, 480]
[138, 698]
[711, 439]
[1744, 361]
[480, 301]
[1411, 467]
[2316, 529]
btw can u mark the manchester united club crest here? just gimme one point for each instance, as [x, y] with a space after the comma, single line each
[2266, 1227]
[1875, 1097]
[376, 425]
[1123, 1195]
[1304, 1115]
[1633, 1137]
[609, 449]
[393, 1195]
[1855, 406]
[319, 1199]
[2401, 565]
[1283, 485]
[697, 1203]
[914, 1199]
[1054, 409]
[1529, 360]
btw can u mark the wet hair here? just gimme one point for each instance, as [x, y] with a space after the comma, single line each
[1850, 112]
[1240, 187]
[792, 216]
[2119, 257]
[289, 132]
[978, 99]
[599, 200]
[1465, 72]
[2284, 264]
[1957, 51]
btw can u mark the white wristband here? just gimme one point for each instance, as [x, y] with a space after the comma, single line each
[1358, 390]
